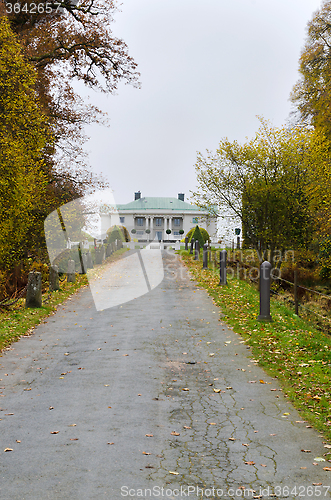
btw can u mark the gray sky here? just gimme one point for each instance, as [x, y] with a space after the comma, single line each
[207, 69]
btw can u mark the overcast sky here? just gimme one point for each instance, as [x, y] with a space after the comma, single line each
[207, 69]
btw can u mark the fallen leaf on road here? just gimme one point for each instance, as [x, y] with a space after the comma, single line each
[51, 407]
[106, 385]
[231, 439]
[139, 394]
[245, 444]
[187, 427]
[184, 352]
[229, 387]
[211, 354]
[29, 389]
[149, 435]
[125, 355]
[320, 459]
[66, 354]
[18, 441]
[306, 451]
[185, 389]
[327, 446]
[72, 425]
[110, 443]
[8, 449]
[262, 381]
[55, 432]
[272, 434]
[263, 465]
[175, 433]
[286, 413]
[217, 390]
[317, 484]
[324, 468]
[250, 462]
[252, 381]
[7, 414]
[176, 473]
[146, 453]
[212, 423]
[73, 439]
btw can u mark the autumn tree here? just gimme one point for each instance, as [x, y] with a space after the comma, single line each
[263, 183]
[71, 43]
[23, 136]
[312, 93]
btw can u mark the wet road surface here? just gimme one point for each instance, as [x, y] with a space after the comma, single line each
[154, 394]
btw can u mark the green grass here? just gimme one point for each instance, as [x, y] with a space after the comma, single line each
[288, 348]
[19, 321]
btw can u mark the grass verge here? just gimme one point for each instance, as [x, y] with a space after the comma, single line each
[288, 348]
[19, 321]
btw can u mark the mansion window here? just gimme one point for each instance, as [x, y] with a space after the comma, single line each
[122, 220]
[177, 222]
[158, 221]
[140, 221]
[176, 233]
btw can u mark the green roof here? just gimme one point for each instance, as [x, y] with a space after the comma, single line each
[148, 203]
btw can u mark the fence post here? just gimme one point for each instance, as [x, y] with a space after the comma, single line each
[54, 278]
[265, 270]
[209, 250]
[71, 274]
[296, 303]
[192, 246]
[223, 255]
[33, 292]
[205, 257]
[186, 244]
[197, 250]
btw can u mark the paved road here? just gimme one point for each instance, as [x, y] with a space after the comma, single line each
[117, 375]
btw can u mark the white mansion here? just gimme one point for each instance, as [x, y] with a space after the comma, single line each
[167, 219]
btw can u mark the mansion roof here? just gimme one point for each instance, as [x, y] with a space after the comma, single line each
[151, 203]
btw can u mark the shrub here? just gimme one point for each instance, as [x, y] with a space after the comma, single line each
[133, 231]
[117, 233]
[203, 232]
[168, 231]
[148, 231]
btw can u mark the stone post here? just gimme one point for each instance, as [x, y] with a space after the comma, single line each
[192, 246]
[54, 278]
[186, 244]
[223, 256]
[33, 292]
[71, 274]
[197, 250]
[205, 256]
[265, 270]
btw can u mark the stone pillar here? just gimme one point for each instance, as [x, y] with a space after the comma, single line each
[265, 270]
[223, 256]
[54, 278]
[205, 256]
[71, 274]
[191, 246]
[33, 292]
[170, 223]
[197, 250]
[186, 243]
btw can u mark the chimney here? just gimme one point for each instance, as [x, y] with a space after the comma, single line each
[181, 196]
[137, 195]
